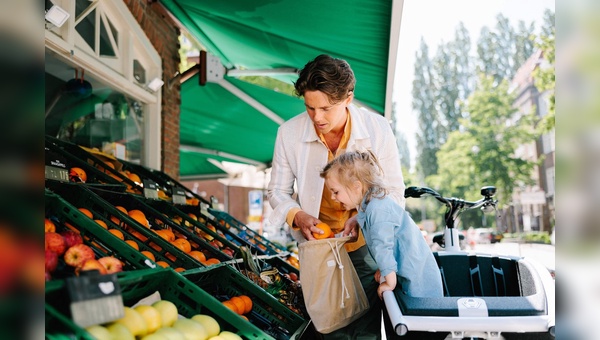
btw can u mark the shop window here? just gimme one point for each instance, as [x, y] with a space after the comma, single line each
[87, 29]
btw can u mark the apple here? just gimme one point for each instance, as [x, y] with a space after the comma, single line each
[99, 332]
[71, 238]
[78, 254]
[171, 333]
[216, 243]
[120, 331]
[112, 264]
[55, 242]
[47, 276]
[151, 316]
[209, 323]
[51, 260]
[191, 329]
[91, 264]
[228, 251]
[293, 276]
[168, 312]
[134, 322]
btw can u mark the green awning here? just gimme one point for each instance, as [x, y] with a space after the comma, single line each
[273, 34]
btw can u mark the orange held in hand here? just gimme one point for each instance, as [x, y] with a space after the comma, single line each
[327, 231]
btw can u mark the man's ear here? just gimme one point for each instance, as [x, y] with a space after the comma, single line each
[350, 97]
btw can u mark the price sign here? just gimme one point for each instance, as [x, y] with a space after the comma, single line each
[150, 189]
[178, 195]
[95, 298]
[57, 174]
[56, 166]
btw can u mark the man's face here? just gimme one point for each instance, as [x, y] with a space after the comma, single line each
[324, 115]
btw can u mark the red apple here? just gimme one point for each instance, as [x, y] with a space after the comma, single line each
[47, 276]
[228, 251]
[112, 264]
[55, 242]
[293, 276]
[71, 238]
[51, 260]
[216, 243]
[78, 254]
[91, 264]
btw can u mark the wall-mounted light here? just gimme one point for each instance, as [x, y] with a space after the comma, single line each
[155, 84]
[57, 16]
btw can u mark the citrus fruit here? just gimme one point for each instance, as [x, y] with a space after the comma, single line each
[102, 224]
[209, 323]
[77, 175]
[86, 212]
[198, 255]
[248, 303]
[117, 233]
[167, 310]
[133, 244]
[182, 244]
[239, 304]
[139, 216]
[148, 255]
[151, 316]
[49, 226]
[162, 264]
[327, 231]
[231, 306]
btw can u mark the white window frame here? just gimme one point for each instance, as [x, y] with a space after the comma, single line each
[116, 72]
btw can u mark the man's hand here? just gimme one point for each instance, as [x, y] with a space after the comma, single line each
[307, 224]
[351, 228]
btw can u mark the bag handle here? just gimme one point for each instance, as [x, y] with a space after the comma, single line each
[335, 249]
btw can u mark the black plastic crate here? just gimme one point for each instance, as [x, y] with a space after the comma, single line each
[189, 298]
[93, 160]
[58, 158]
[268, 313]
[227, 221]
[104, 207]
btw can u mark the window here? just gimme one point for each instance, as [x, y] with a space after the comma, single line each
[103, 46]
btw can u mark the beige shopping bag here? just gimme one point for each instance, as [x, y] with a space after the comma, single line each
[333, 294]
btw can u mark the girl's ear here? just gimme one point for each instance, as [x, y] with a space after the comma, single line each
[358, 186]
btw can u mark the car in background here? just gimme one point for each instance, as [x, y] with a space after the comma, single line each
[496, 236]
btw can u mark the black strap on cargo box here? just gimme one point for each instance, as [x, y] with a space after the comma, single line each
[439, 264]
[499, 280]
[476, 286]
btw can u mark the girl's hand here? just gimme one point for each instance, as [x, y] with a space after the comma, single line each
[384, 287]
[351, 229]
[377, 276]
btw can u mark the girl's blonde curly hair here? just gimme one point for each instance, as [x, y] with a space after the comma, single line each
[358, 166]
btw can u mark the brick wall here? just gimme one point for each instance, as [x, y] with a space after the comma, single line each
[162, 31]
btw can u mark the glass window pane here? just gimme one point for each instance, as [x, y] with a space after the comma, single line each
[106, 48]
[86, 28]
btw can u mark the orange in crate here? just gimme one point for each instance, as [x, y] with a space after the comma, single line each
[86, 212]
[182, 244]
[163, 264]
[198, 255]
[162, 234]
[239, 303]
[77, 175]
[116, 220]
[133, 244]
[211, 261]
[231, 306]
[102, 224]
[148, 255]
[49, 226]
[140, 217]
[248, 303]
[117, 233]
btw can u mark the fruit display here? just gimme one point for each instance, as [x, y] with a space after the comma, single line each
[99, 217]
[100, 234]
[178, 307]
[111, 168]
[77, 170]
[273, 314]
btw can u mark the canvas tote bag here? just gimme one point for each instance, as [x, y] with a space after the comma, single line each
[333, 294]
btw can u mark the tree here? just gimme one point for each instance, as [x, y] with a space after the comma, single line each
[484, 153]
[524, 44]
[423, 102]
[401, 142]
[545, 76]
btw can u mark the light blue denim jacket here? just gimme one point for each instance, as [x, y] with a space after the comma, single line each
[397, 245]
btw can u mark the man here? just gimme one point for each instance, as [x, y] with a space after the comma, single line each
[331, 125]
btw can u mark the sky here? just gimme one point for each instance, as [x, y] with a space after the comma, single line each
[436, 21]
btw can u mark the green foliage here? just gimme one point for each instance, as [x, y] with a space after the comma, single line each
[483, 152]
[545, 75]
[270, 83]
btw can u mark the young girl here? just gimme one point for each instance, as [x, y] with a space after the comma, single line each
[355, 179]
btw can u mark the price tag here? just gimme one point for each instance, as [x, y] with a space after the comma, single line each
[57, 174]
[95, 298]
[178, 195]
[150, 189]
[56, 166]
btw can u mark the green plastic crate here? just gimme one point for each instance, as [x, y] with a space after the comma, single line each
[58, 326]
[189, 298]
[99, 239]
[268, 313]
[78, 152]
[245, 232]
[104, 207]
